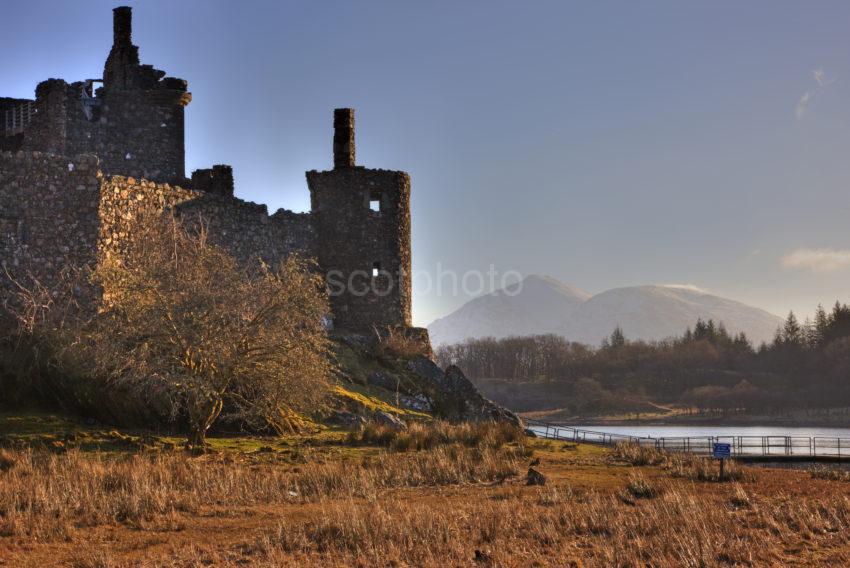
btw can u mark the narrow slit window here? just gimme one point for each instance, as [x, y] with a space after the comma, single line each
[376, 269]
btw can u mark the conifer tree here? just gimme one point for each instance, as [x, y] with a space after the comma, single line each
[792, 333]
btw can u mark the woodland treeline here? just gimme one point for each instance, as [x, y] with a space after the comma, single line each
[806, 365]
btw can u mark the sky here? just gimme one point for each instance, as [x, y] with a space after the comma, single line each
[603, 143]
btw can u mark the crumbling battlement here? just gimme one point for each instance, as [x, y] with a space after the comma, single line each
[128, 139]
[134, 123]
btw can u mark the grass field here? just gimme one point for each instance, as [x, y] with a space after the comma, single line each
[436, 496]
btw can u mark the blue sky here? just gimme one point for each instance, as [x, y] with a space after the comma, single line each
[604, 143]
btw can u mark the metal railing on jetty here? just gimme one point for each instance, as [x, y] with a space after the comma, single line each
[742, 446]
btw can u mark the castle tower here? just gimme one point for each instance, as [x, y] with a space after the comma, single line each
[143, 111]
[362, 220]
[134, 123]
[124, 56]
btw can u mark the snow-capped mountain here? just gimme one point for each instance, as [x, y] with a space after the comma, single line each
[546, 305]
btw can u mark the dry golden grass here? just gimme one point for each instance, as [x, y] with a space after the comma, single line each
[677, 528]
[395, 343]
[44, 495]
[461, 501]
[546, 526]
[816, 473]
[687, 466]
[421, 436]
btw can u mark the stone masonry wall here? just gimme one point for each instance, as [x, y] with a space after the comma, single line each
[48, 213]
[134, 132]
[354, 240]
[57, 212]
[10, 143]
[245, 229]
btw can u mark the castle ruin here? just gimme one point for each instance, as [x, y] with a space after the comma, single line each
[80, 161]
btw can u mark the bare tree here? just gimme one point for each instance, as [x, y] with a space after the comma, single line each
[180, 314]
[182, 320]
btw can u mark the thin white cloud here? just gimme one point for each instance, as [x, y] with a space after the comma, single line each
[817, 260]
[804, 103]
[820, 77]
[691, 287]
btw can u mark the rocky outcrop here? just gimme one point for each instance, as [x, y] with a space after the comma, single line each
[413, 384]
[389, 420]
[456, 398]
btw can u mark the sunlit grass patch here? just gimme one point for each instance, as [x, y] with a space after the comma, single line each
[374, 400]
[434, 434]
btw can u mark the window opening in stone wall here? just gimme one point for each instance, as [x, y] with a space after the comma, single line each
[89, 100]
[375, 201]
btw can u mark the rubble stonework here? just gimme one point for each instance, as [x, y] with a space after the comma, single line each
[366, 252]
[48, 212]
[245, 229]
[81, 162]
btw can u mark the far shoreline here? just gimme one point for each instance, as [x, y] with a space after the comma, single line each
[754, 421]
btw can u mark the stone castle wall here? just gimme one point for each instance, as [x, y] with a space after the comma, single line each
[245, 229]
[58, 212]
[48, 213]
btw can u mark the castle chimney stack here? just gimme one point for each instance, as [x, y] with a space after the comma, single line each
[343, 138]
[122, 25]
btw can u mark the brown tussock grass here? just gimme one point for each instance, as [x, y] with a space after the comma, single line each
[47, 495]
[452, 504]
[394, 343]
[547, 527]
[420, 436]
[682, 465]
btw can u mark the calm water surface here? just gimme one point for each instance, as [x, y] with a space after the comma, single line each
[696, 431]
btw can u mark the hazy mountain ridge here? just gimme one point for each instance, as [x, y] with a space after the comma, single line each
[546, 305]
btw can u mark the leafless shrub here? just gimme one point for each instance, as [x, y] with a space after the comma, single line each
[181, 321]
[44, 348]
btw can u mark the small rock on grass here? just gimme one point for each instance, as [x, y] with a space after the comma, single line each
[534, 477]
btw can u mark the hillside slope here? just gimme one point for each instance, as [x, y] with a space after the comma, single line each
[541, 305]
[545, 305]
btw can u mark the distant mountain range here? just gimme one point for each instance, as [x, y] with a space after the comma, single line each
[546, 305]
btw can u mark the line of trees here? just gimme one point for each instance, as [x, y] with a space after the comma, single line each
[806, 364]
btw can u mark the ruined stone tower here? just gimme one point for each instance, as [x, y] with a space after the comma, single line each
[79, 163]
[134, 122]
[362, 219]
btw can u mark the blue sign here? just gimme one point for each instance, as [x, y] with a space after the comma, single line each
[722, 451]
